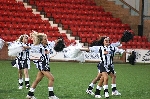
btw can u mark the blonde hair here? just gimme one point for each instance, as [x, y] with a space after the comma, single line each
[37, 37]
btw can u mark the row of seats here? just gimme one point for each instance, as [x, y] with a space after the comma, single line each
[17, 20]
[98, 30]
[75, 2]
[15, 8]
[70, 6]
[10, 30]
[82, 17]
[10, 2]
[75, 11]
[50, 38]
[23, 22]
[13, 37]
[11, 14]
[97, 24]
[139, 45]
[142, 41]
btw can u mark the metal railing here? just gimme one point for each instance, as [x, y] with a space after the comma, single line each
[130, 7]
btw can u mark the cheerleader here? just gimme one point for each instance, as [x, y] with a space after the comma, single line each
[41, 45]
[105, 67]
[22, 60]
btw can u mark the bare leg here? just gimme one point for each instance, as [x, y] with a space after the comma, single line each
[97, 78]
[91, 85]
[38, 79]
[26, 74]
[20, 80]
[113, 84]
[113, 76]
[99, 87]
[50, 77]
[20, 73]
[50, 84]
[94, 81]
[34, 84]
[103, 80]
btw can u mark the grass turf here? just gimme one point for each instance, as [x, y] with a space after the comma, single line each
[72, 79]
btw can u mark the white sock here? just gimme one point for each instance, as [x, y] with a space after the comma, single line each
[105, 87]
[26, 79]
[92, 85]
[113, 85]
[21, 80]
[98, 87]
[32, 90]
[50, 88]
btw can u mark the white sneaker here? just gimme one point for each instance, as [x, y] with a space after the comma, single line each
[20, 87]
[14, 65]
[106, 95]
[116, 93]
[30, 97]
[97, 96]
[90, 92]
[27, 86]
[53, 97]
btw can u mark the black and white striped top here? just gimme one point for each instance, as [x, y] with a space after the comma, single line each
[43, 63]
[107, 59]
[24, 55]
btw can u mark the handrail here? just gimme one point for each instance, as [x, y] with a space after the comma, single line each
[130, 6]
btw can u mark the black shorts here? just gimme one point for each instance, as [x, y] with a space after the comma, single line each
[108, 69]
[43, 66]
[111, 69]
[101, 67]
[22, 64]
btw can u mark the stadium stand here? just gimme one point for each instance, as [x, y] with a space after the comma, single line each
[86, 20]
[15, 20]
[81, 18]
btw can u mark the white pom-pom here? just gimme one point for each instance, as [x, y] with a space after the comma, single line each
[14, 49]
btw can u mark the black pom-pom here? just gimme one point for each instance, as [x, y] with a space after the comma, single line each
[127, 36]
[60, 45]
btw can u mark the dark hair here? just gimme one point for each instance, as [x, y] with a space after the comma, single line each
[98, 42]
[21, 37]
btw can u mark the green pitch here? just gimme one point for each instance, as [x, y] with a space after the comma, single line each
[72, 79]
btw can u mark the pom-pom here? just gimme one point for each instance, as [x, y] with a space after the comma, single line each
[127, 36]
[60, 45]
[14, 49]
